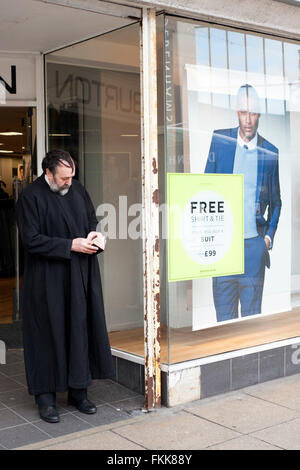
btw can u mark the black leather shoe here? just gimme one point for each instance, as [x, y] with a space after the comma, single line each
[84, 406]
[49, 414]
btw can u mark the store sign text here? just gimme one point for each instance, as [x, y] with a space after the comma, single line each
[12, 89]
[126, 101]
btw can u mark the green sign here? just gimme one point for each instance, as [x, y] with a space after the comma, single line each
[205, 225]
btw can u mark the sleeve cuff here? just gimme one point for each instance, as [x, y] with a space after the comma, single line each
[69, 247]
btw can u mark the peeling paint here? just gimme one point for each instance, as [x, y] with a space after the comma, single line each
[155, 198]
[154, 166]
[151, 212]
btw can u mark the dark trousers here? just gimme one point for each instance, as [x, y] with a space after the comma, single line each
[247, 288]
[49, 399]
[45, 399]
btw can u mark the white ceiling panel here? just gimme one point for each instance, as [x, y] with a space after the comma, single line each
[40, 26]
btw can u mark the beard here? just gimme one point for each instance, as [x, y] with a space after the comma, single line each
[62, 190]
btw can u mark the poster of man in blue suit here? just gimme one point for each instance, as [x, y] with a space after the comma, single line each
[242, 150]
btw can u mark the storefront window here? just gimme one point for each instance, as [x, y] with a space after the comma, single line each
[232, 107]
[93, 111]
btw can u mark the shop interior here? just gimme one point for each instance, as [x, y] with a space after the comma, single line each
[17, 169]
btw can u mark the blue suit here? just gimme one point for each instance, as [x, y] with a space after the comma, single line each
[248, 287]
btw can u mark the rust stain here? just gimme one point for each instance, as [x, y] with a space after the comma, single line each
[149, 395]
[158, 334]
[157, 301]
[155, 198]
[154, 166]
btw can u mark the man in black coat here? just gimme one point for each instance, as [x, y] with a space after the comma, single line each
[65, 337]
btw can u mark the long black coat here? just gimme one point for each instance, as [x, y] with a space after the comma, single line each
[64, 330]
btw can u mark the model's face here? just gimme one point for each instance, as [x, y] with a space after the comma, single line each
[62, 179]
[248, 124]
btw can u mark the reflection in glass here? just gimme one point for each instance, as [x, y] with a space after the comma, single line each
[275, 89]
[236, 50]
[255, 64]
[203, 87]
[93, 93]
[218, 46]
[202, 40]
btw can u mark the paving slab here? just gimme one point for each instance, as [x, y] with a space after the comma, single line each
[8, 384]
[109, 393]
[21, 435]
[244, 443]
[284, 392]
[15, 368]
[285, 435]
[105, 440]
[9, 419]
[105, 414]
[130, 405]
[241, 412]
[14, 356]
[68, 424]
[20, 379]
[16, 397]
[180, 431]
[77, 435]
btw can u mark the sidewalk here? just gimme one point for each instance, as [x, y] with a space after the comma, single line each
[260, 417]
[264, 416]
[20, 423]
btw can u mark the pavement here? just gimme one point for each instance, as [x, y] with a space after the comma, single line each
[261, 417]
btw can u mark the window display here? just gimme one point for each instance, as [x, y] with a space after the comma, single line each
[233, 109]
[206, 230]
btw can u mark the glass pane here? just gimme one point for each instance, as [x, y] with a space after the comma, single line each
[256, 64]
[219, 59]
[93, 103]
[291, 72]
[274, 77]
[232, 110]
[17, 170]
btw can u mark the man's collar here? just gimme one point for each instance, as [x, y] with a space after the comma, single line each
[252, 145]
[47, 179]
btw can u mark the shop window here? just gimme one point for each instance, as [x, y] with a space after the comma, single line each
[232, 107]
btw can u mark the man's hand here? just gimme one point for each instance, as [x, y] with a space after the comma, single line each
[98, 239]
[83, 245]
[267, 242]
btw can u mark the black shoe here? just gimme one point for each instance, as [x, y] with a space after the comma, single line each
[49, 413]
[84, 406]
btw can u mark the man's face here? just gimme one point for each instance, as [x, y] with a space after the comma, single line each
[62, 179]
[248, 124]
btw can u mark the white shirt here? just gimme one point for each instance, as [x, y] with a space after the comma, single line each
[251, 145]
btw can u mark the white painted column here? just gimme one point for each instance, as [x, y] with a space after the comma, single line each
[150, 211]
